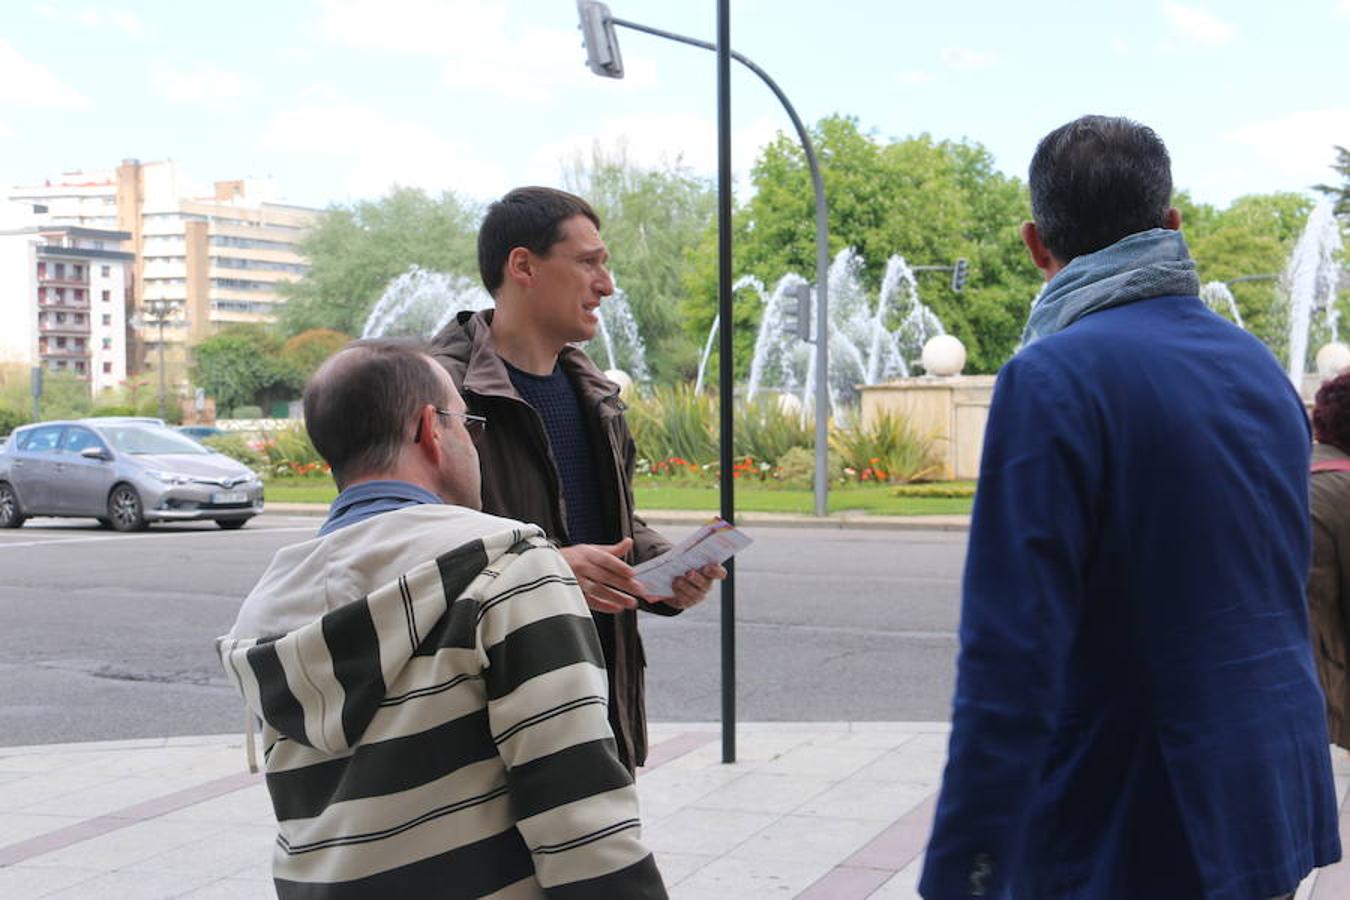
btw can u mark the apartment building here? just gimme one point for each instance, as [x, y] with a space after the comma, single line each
[217, 257]
[64, 293]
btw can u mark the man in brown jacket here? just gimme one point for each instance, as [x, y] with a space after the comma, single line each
[1329, 582]
[557, 451]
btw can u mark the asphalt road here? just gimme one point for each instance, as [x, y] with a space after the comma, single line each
[109, 636]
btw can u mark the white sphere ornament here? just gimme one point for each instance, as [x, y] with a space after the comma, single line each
[623, 380]
[944, 355]
[1332, 360]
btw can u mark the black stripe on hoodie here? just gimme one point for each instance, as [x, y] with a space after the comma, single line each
[354, 645]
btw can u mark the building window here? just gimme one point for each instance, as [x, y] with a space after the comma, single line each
[79, 295]
[42, 270]
[107, 368]
[105, 271]
[58, 365]
[79, 272]
[107, 343]
[107, 296]
[60, 343]
[79, 318]
[107, 318]
[79, 366]
[60, 294]
[60, 318]
[42, 295]
[60, 270]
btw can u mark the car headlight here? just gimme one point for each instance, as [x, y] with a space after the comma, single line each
[168, 477]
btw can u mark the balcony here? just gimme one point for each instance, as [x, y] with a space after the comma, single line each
[53, 303]
[78, 329]
[62, 353]
[66, 280]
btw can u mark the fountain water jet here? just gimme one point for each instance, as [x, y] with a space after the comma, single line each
[1311, 280]
[1219, 298]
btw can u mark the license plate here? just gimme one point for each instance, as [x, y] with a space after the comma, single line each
[229, 497]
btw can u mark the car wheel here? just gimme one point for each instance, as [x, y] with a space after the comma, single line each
[124, 509]
[104, 522]
[11, 514]
[231, 524]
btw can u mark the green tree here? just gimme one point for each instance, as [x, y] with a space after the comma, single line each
[354, 251]
[652, 220]
[1342, 191]
[243, 364]
[1253, 236]
[930, 201]
[306, 351]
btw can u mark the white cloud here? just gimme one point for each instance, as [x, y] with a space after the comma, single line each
[1343, 8]
[1299, 144]
[483, 49]
[377, 152]
[1198, 26]
[912, 79]
[1119, 46]
[23, 82]
[202, 85]
[124, 21]
[966, 59]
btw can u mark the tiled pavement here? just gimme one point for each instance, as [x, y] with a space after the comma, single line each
[811, 810]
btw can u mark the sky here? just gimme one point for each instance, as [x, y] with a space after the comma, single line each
[337, 100]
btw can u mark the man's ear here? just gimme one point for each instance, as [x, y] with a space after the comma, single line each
[520, 266]
[1040, 254]
[1172, 221]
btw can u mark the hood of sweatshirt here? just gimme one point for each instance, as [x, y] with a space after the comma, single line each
[393, 574]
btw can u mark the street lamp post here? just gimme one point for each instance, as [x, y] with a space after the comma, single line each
[603, 57]
[158, 312]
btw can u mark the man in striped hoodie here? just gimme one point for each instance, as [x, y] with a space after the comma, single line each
[432, 690]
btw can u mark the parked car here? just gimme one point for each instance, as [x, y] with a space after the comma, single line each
[198, 432]
[125, 472]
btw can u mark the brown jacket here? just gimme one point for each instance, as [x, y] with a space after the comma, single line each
[520, 481]
[1329, 589]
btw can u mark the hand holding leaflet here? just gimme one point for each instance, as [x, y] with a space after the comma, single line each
[713, 543]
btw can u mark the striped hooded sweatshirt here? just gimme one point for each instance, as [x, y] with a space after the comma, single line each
[433, 700]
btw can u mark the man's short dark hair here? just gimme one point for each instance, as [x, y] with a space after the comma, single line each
[361, 405]
[1096, 180]
[529, 217]
[1331, 413]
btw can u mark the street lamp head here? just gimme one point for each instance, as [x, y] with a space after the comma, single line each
[597, 35]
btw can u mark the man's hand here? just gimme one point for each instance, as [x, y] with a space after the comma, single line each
[606, 580]
[692, 587]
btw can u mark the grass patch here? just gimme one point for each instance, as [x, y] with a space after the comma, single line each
[879, 500]
[300, 490]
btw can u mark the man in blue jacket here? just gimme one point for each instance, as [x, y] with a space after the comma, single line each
[1137, 713]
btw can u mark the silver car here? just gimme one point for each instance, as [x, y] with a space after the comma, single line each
[124, 472]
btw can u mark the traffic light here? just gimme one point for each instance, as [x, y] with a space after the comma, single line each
[799, 320]
[597, 36]
[959, 272]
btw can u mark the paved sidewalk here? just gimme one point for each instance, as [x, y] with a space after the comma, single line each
[828, 811]
[854, 519]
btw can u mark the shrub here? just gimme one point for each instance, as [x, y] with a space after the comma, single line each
[675, 422]
[886, 450]
[237, 446]
[246, 412]
[11, 419]
[767, 431]
[936, 489]
[114, 409]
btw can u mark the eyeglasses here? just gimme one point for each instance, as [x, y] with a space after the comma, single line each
[474, 425]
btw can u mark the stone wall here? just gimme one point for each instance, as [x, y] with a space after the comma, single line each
[951, 411]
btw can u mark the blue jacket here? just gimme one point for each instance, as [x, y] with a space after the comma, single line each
[1137, 714]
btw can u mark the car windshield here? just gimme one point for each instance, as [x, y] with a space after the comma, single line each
[140, 440]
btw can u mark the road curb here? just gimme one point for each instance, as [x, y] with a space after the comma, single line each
[854, 521]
